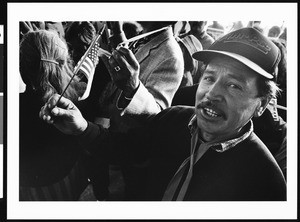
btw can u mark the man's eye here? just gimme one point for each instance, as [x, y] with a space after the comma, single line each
[234, 86]
[208, 79]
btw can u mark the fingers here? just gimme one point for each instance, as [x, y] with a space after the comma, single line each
[60, 101]
[48, 119]
[56, 111]
[56, 106]
[115, 60]
[45, 114]
[112, 64]
[124, 58]
[59, 106]
[129, 56]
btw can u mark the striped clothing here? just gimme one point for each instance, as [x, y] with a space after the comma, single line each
[69, 188]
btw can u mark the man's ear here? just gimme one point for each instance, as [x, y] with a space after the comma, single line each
[262, 106]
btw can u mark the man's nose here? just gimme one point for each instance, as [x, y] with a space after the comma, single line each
[215, 92]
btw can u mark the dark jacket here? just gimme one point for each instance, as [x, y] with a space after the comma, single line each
[272, 131]
[245, 172]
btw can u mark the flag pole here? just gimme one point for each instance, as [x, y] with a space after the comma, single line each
[80, 63]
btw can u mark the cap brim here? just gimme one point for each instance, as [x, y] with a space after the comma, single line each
[207, 55]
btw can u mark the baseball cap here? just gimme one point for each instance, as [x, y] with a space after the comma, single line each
[248, 46]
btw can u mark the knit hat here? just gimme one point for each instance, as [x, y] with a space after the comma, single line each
[248, 46]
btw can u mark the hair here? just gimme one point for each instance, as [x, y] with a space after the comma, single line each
[267, 88]
[194, 25]
[274, 31]
[43, 77]
[131, 29]
[79, 36]
[270, 88]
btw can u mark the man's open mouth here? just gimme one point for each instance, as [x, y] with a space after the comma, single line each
[211, 112]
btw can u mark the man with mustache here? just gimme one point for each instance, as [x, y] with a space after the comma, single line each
[206, 152]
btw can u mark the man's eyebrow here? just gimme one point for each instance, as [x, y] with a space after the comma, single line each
[209, 71]
[237, 77]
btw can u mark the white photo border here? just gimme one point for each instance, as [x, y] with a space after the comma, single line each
[17, 12]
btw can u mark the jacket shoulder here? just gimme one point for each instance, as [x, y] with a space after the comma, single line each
[174, 116]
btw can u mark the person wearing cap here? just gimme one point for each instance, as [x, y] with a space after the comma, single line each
[207, 152]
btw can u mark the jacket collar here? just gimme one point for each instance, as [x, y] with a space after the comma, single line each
[223, 145]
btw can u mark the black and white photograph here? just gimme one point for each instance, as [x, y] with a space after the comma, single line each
[151, 111]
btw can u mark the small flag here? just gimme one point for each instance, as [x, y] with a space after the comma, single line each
[89, 64]
[86, 66]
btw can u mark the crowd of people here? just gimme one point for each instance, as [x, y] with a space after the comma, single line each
[177, 112]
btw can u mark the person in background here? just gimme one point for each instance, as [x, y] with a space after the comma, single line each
[50, 165]
[216, 30]
[198, 29]
[131, 29]
[189, 44]
[79, 36]
[160, 74]
[281, 77]
[282, 37]
[256, 25]
[181, 27]
[57, 27]
[207, 152]
[237, 25]
[274, 32]
[161, 70]
[27, 26]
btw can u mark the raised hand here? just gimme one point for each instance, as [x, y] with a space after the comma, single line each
[64, 115]
[124, 70]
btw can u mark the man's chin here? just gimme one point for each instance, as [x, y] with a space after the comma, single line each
[211, 127]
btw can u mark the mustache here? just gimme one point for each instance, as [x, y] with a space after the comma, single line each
[205, 103]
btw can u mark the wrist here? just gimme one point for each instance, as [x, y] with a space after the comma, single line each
[125, 98]
[129, 92]
[82, 128]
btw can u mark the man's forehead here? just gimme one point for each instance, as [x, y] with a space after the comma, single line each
[233, 68]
